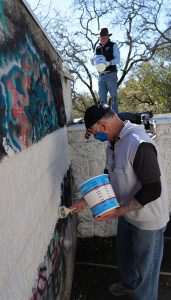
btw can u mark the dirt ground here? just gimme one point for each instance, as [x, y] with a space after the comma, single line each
[94, 270]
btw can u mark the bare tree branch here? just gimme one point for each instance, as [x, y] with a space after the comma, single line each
[37, 5]
[139, 37]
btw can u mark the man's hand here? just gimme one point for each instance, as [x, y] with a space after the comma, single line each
[107, 216]
[78, 206]
[120, 211]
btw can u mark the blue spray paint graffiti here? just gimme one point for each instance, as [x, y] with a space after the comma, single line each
[2, 19]
[28, 110]
[31, 101]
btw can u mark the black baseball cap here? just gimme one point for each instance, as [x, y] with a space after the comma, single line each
[94, 113]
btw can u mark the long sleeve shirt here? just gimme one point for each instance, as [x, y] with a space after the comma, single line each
[111, 53]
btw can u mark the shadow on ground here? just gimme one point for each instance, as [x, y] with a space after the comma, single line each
[94, 269]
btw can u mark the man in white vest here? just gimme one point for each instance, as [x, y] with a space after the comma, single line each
[135, 175]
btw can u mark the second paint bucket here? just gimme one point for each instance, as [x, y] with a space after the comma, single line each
[100, 63]
[99, 194]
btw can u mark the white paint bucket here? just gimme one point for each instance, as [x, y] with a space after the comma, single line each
[100, 63]
[99, 194]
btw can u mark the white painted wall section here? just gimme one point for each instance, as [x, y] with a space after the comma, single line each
[30, 184]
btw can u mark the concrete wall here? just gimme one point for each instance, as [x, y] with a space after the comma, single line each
[33, 186]
[161, 128]
[88, 160]
[37, 249]
[66, 83]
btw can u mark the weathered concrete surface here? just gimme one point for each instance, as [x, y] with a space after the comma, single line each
[35, 105]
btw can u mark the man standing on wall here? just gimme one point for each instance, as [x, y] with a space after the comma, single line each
[107, 81]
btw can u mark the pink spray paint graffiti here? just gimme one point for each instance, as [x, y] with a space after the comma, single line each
[31, 101]
[51, 273]
[27, 107]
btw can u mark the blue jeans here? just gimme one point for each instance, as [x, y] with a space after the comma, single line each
[108, 83]
[139, 254]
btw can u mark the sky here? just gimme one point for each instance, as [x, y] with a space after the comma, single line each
[63, 6]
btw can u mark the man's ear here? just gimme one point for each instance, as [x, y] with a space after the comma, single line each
[103, 125]
[88, 133]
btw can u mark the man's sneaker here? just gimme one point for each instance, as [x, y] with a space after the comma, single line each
[118, 289]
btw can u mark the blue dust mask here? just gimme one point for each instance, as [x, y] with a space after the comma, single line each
[101, 136]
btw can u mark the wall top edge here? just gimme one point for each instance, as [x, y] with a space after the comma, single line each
[156, 120]
[160, 120]
[27, 5]
[76, 127]
[68, 75]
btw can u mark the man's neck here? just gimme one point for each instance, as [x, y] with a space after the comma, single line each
[103, 44]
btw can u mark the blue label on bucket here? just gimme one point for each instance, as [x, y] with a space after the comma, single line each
[99, 59]
[93, 183]
[103, 207]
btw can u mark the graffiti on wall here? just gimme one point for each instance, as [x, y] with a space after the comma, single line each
[31, 102]
[2, 20]
[50, 284]
[51, 273]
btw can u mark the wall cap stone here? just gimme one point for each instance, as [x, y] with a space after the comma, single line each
[67, 75]
[160, 120]
[75, 127]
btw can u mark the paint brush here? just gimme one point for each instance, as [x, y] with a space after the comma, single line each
[64, 211]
